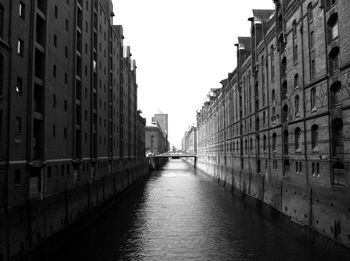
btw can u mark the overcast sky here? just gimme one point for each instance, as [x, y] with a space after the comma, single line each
[182, 49]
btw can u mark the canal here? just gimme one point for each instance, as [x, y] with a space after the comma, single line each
[180, 214]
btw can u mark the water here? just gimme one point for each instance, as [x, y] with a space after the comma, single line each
[179, 214]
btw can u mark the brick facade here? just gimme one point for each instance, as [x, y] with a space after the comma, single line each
[278, 128]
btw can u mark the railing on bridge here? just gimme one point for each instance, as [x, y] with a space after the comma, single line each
[175, 155]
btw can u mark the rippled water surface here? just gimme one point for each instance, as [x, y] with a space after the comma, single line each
[179, 214]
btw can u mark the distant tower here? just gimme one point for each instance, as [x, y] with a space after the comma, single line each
[162, 120]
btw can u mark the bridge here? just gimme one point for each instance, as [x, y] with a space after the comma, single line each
[174, 155]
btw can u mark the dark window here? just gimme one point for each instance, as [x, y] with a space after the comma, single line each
[336, 99]
[334, 60]
[286, 142]
[56, 11]
[65, 132]
[19, 86]
[274, 140]
[53, 131]
[54, 101]
[264, 142]
[314, 136]
[297, 139]
[65, 78]
[49, 173]
[313, 69]
[295, 42]
[66, 51]
[22, 10]
[313, 98]
[296, 81]
[65, 105]
[297, 105]
[67, 24]
[55, 40]
[54, 71]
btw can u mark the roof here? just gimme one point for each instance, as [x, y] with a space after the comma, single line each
[263, 15]
[244, 43]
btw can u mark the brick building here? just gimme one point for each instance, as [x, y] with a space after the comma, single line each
[189, 141]
[278, 128]
[69, 127]
[155, 140]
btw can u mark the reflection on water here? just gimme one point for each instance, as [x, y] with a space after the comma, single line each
[179, 215]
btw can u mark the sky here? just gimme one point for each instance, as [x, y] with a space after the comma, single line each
[182, 49]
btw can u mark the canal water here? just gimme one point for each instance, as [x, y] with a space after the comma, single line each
[181, 214]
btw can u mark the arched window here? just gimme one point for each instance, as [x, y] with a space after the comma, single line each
[2, 21]
[285, 142]
[264, 142]
[313, 98]
[334, 60]
[332, 24]
[296, 81]
[273, 95]
[337, 137]
[258, 144]
[274, 140]
[262, 70]
[295, 42]
[336, 98]
[251, 144]
[272, 54]
[284, 90]
[297, 138]
[314, 136]
[297, 105]
[285, 114]
[284, 67]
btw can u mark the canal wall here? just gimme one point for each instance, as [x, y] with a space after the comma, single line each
[55, 217]
[321, 215]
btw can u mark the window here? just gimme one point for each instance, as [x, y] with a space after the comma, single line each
[316, 169]
[18, 125]
[65, 133]
[297, 139]
[20, 47]
[273, 95]
[19, 86]
[53, 131]
[55, 40]
[285, 142]
[274, 140]
[65, 106]
[18, 178]
[295, 42]
[54, 101]
[54, 71]
[334, 60]
[336, 99]
[314, 136]
[332, 25]
[297, 105]
[22, 10]
[66, 51]
[67, 24]
[65, 78]
[56, 11]
[264, 142]
[313, 98]
[2, 21]
[49, 173]
[296, 81]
